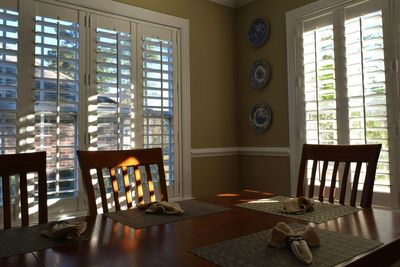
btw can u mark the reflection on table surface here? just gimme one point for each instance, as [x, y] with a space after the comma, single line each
[111, 243]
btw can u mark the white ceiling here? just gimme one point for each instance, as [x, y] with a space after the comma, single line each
[232, 3]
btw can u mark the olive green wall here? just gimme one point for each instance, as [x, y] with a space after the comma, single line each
[212, 88]
[275, 93]
[264, 173]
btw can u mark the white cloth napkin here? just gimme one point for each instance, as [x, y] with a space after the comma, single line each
[65, 230]
[282, 235]
[163, 207]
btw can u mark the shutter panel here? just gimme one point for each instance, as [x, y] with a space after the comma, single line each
[158, 99]
[113, 115]
[8, 88]
[366, 88]
[8, 80]
[319, 85]
[56, 101]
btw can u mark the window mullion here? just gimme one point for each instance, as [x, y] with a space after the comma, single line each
[135, 98]
[57, 189]
[363, 78]
[340, 78]
[316, 86]
[139, 133]
[25, 116]
[120, 133]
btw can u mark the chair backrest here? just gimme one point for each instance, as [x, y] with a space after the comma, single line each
[19, 165]
[110, 162]
[340, 155]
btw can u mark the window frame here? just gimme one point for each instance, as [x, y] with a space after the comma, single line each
[295, 83]
[27, 13]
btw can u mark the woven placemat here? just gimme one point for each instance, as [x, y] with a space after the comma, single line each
[323, 212]
[28, 239]
[136, 218]
[252, 250]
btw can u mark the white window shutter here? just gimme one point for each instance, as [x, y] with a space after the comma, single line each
[8, 80]
[56, 101]
[112, 117]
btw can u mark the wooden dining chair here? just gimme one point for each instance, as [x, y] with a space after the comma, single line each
[107, 163]
[19, 165]
[339, 155]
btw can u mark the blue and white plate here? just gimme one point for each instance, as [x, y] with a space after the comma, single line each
[260, 117]
[259, 74]
[258, 32]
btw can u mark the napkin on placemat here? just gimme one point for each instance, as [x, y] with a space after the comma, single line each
[299, 241]
[298, 205]
[65, 230]
[162, 207]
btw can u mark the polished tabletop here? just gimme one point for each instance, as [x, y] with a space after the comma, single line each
[111, 243]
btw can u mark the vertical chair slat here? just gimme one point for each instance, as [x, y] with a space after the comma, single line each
[323, 179]
[6, 202]
[102, 187]
[312, 183]
[366, 197]
[163, 183]
[333, 182]
[301, 179]
[152, 195]
[353, 196]
[139, 186]
[343, 184]
[127, 186]
[24, 198]
[42, 185]
[115, 188]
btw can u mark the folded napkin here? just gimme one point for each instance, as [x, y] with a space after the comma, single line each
[162, 207]
[299, 241]
[298, 205]
[65, 230]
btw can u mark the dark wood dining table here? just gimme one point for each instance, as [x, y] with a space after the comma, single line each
[110, 243]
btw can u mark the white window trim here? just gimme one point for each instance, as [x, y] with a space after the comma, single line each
[392, 56]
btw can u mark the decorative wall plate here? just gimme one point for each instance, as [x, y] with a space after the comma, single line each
[260, 117]
[258, 32]
[259, 74]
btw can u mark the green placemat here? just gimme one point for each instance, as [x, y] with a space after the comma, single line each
[252, 250]
[323, 212]
[28, 239]
[136, 218]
